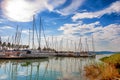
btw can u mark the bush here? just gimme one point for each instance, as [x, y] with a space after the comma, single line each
[101, 72]
[107, 71]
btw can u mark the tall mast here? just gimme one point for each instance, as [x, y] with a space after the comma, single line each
[29, 39]
[52, 43]
[19, 38]
[48, 42]
[75, 46]
[61, 44]
[40, 34]
[33, 32]
[87, 48]
[16, 35]
[56, 43]
[44, 34]
[67, 46]
[80, 45]
[93, 44]
[71, 44]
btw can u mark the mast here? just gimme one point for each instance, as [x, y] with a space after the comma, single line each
[87, 48]
[80, 45]
[61, 44]
[40, 35]
[19, 39]
[93, 44]
[29, 38]
[44, 34]
[56, 44]
[16, 35]
[12, 42]
[75, 46]
[48, 43]
[67, 47]
[33, 32]
[71, 44]
[52, 43]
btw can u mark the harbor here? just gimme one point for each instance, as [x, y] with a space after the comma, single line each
[14, 49]
[59, 40]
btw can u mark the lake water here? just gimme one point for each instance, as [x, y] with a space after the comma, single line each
[45, 69]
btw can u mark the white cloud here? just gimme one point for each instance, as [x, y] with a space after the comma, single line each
[109, 32]
[79, 28]
[113, 8]
[26, 31]
[6, 27]
[75, 4]
[56, 3]
[105, 37]
[23, 10]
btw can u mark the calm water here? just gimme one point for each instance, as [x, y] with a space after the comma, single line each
[45, 69]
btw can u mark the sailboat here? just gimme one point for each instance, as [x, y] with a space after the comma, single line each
[24, 54]
[88, 53]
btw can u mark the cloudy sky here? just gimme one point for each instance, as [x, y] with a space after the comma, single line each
[67, 19]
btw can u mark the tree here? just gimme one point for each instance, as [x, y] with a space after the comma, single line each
[4, 44]
[27, 46]
[39, 48]
[9, 45]
[44, 49]
[0, 44]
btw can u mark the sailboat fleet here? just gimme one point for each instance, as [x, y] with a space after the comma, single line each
[15, 50]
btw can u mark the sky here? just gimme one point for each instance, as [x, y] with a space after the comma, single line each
[66, 20]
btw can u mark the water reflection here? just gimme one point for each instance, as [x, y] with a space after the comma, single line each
[44, 69]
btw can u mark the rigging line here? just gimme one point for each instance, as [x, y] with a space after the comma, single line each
[87, 47]
[44, 35]
[40, 35]
[16, 34]
[36, 33]
[52, 42]
[33, 32]
[79, 44]
[29, 38]
[20, 35]
[93, 44]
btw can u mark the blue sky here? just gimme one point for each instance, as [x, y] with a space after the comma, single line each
[68, 19]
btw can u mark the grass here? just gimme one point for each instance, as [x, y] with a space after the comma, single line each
[113, 59]
[103, 71]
